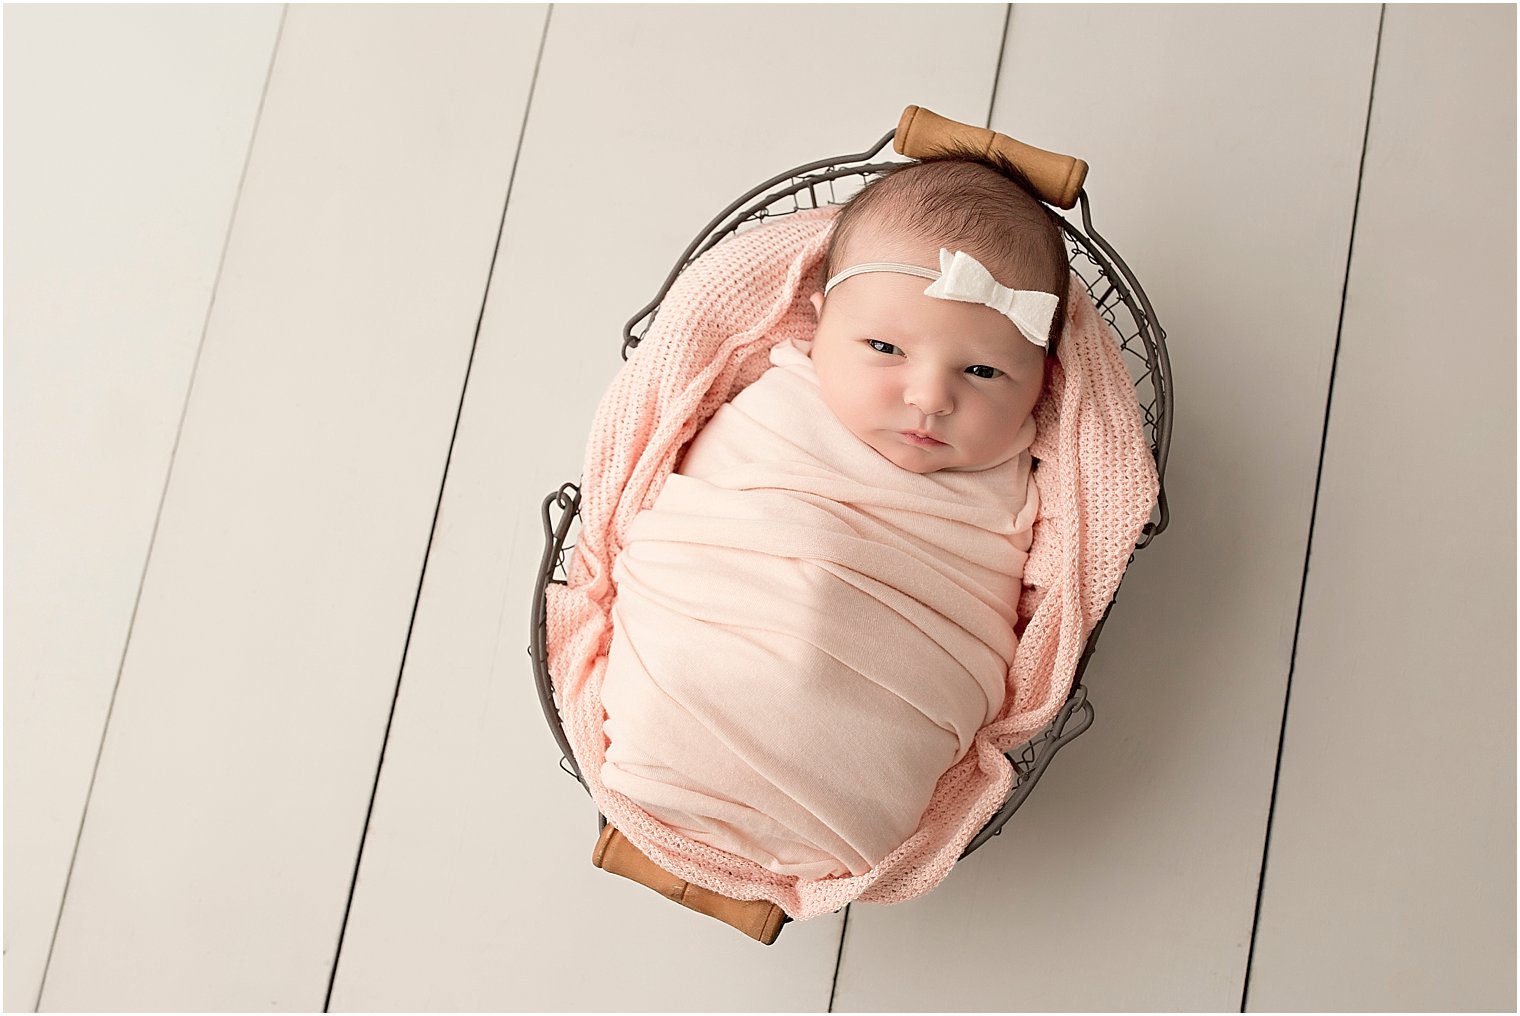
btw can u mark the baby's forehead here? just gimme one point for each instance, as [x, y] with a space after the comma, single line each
[877, 240]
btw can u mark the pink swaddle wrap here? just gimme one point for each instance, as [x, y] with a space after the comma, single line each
[711, 339]
[806, 636]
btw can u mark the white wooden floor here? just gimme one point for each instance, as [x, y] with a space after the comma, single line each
[308, 307]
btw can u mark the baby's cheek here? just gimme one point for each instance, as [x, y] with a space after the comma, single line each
[879, 392]
[1009, 434]
[829, 392]
[846, 405]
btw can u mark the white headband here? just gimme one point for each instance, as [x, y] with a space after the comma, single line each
[962, 277]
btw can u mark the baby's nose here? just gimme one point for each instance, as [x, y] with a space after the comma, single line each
[929, 394]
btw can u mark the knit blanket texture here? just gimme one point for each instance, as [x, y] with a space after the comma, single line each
[711, 339]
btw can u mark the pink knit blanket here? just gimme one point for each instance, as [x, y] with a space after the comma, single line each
[711, 339]
[806, 636]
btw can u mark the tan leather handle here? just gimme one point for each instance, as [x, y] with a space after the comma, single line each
[921, 134]
[759, 919]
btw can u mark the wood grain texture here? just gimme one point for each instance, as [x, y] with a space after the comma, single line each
[126, 132]
[222, 833]
[1391, 880]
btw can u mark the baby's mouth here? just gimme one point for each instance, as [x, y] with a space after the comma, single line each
[918, 437]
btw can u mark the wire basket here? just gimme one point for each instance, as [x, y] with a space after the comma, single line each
[1119, 300]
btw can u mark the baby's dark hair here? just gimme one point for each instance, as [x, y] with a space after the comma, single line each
[979, 203]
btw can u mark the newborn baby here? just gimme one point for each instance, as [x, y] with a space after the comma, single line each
[817, 614]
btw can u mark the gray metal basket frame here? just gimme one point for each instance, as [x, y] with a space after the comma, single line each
[811, 186]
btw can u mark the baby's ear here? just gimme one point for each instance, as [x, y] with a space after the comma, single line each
[817, 301]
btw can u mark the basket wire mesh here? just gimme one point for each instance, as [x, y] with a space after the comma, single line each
[1120, 301]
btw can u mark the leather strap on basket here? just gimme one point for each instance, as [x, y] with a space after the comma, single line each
[922, 134]
[759, 919]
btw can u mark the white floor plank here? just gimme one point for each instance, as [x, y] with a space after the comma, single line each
[221, 836]
[1391, 879]
[1224, 144]
[126, 131]
[476, 889]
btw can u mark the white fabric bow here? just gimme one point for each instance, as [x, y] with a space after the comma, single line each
[962, 277]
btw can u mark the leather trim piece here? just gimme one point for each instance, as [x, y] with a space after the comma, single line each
[761, 920]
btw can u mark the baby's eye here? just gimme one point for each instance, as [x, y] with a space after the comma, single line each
[982, 370]
[882, 347]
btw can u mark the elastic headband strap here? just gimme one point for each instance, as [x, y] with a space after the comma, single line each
[880, 266]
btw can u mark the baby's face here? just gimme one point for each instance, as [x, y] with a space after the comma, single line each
[928, 383]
